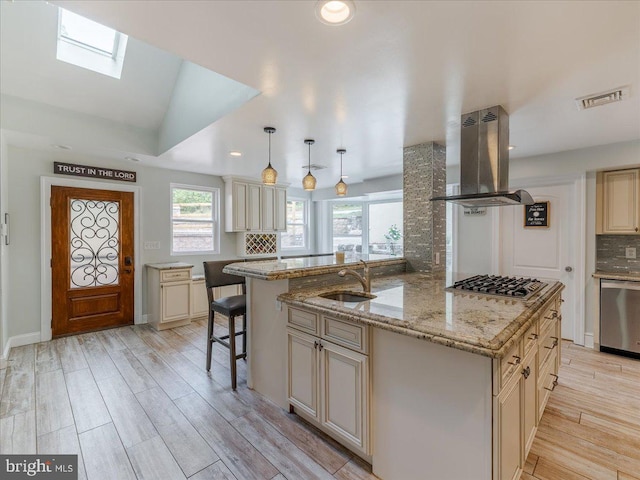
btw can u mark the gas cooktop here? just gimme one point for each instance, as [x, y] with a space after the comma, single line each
[521, 288]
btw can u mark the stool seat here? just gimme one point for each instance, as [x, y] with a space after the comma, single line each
[232, 306]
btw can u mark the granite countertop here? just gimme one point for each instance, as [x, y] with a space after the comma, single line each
[418, 305]
[305, 266]
[168, 266]
[629, 276]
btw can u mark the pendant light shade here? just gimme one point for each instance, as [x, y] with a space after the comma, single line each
[341, 187]
[269, 174]
[309, 181]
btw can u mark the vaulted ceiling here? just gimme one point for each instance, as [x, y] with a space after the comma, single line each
[400, 73]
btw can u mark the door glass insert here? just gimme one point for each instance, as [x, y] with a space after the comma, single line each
[95, 243]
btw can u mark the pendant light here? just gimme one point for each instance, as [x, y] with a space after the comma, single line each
[269, 174]
[309, 181]
[341, 187]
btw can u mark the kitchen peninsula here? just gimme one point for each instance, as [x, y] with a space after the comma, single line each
[420, 381]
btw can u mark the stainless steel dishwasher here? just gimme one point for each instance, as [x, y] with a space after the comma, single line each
[620, 317]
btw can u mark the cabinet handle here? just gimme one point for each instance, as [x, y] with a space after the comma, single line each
[636, 229]
[555, 343]
[554, 384]
[526, 372]
[534, 336]
[315, 344]
[517, 361]
[320, 346]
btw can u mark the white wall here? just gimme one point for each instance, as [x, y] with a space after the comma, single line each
[3, 248]
[475, 234]
[25, 167]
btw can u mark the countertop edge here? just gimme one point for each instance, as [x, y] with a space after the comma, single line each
[304, 271]
[496, 348]
[632, 277]
[168, 265]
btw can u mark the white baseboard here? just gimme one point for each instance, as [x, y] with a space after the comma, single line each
[18, 341]
[143, 319]
[588, 340]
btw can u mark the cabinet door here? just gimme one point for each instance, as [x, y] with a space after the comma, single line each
[621, 198]
[345, 396]
[302, 374]
[281, 210]
[507, 430]
[268, 208]
[175, 301]
[529, 403]
[240, 193]
[199, 300]
[254, 208]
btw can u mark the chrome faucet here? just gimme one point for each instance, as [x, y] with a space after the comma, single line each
[365, 279]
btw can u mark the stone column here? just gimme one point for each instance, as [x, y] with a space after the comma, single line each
[424, 221]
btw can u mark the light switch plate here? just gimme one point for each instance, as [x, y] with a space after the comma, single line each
[630, 252]
[151, 245]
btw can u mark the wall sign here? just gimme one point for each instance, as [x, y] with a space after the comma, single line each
[94, 172]
[537, 215]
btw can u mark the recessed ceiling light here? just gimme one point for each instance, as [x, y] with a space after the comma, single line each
[335, 12]
[62, 147]
[511, 147]
[132, 159]
[235, 154]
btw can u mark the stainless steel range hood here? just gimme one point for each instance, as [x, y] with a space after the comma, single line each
[484, 162]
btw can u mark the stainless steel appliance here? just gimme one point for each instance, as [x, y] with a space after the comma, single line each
[521, 288]
[484, 161]
[620, 317]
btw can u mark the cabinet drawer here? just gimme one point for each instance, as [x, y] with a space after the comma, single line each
[530, 338]
[175, 275]
[347, 334]
[546, 384]
[303, 320]
[551, 315]
[510, 362]
[549, 343]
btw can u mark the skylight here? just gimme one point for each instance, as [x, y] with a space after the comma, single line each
[88, 44]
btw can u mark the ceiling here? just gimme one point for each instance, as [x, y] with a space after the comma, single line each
[400, 73]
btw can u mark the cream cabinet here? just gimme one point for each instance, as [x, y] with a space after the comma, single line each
[199, 300]
[523, 381]
[328, 375]
[619, 202]
[251, 206]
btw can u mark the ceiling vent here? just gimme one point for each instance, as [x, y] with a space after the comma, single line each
[598, 99]
[314, 166]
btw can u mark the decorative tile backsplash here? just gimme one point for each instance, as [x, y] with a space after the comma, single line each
[611, 250]
[254, 244]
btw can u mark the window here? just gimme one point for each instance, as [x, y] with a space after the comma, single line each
[195, 226]
[373, 227]
[296, 235]
[88, 44]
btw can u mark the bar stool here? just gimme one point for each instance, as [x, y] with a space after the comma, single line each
[231, 307]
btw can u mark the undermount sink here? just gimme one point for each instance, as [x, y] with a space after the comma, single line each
[348, 296]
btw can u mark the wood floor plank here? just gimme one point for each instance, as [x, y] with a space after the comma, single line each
[217, 471]
[52, 402]
[357, 469]
[70, 353]
[547, 470]
[530, 464]
[173, 385]
[132, 341]
[151, 460]
[110, 340]
[63, 442]
[242, 458]
[183, 441]
[97, 357]
[47, 358]
[324, 450]
[18, 433]
[132, 370]
[623, 432]
[89, 409]
[626, 476]
[104, 456]
[129, 418]
[284, 455]
[3, 374]
[19, 384]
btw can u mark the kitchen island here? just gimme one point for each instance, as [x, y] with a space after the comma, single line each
[420, 381]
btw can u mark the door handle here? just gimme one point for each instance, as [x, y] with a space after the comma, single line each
[128, 261]
[568, 269]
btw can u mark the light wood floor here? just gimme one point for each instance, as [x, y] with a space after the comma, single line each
[591, 426]
[136, 403]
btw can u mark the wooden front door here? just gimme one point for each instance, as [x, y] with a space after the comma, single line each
[91, 259]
